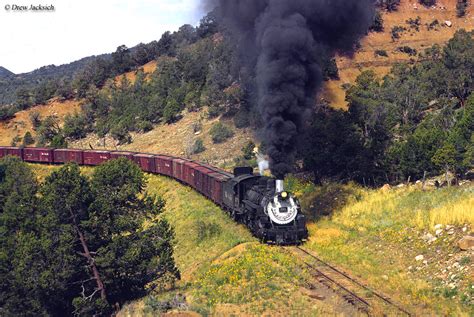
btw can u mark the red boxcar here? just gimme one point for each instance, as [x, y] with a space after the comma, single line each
[217, 181]
[119, 154]
[42, 155]
[62, 156]
[178, 165]
[13, 151]
[202, 180]
[164, 165]
[146, 162]
[3, 151]
[95, 157]
[189, 169]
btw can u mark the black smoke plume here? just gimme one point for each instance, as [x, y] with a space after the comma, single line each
[283, 42]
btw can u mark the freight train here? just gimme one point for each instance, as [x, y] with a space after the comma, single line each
[261, 203]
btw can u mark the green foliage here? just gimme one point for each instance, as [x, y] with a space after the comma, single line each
[417, 119]
[461, 8]
[59, 245]
[414, 23]
[35, 119]
[407, 50]
[220, 133]
[427, 3]
[247, 150]
[389, 5]
[28, 139]
[75, 126]
[397, 31]
[198, 147]
[377, 25]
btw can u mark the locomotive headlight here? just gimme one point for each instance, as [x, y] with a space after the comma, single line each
[284, 195]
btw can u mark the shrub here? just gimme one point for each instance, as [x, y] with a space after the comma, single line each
[396, 32]
[241, 119]
[16, 140]
[7, 112]
[28, 139]
[144, 126]
[407, 50]
[433, 25]
[75, 126]
[382, 53]
[389, 5]
[35, 119]
[220, 133]
[120, 133]
[58, 142]
[414, 23]
[427, 3]
[461, 8]
[377, 25]
[198, 147]
[247, 150]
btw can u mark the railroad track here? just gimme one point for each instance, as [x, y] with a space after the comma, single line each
[366, 300]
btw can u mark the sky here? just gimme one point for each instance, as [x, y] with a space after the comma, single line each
[81, 28]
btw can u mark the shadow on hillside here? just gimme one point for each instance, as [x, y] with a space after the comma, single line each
[326, 200]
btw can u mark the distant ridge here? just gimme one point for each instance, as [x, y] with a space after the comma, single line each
[5, 72]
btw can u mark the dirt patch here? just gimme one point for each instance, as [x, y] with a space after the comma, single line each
[350, 68]
[21, 123]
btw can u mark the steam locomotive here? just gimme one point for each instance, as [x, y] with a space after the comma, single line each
[272, 214]
[261, 203]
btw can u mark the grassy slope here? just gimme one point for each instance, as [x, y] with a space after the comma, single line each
[373, 234]
[376, 235]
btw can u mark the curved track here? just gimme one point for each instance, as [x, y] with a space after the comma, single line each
[363, 298]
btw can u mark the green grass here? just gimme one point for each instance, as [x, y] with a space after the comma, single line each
[376, 235]
[372, 234]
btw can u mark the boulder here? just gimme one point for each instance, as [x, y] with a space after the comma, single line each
[419, 257]
[466, 243]
[448, 23]
[386, 188]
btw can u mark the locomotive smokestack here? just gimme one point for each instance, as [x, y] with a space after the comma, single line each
[279, 186]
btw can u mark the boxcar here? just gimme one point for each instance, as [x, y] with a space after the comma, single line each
[146, 162]
[3, 152]
[189, 169]
[178, 165]
[62, 156]
[95, 157]
[164, 165]
[217, 181]
[13, 151]
[118, 154]
[202, 180]
[41, 155]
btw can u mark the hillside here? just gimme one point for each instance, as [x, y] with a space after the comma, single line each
[4, 73]
[421, 39]
[8, 88]
[373, 235]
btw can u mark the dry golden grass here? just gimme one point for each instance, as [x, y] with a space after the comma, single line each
[21, 123]
[148, 69]
[175, 139]
[350, 68]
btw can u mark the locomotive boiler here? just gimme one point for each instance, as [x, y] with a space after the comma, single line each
[261, 203]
